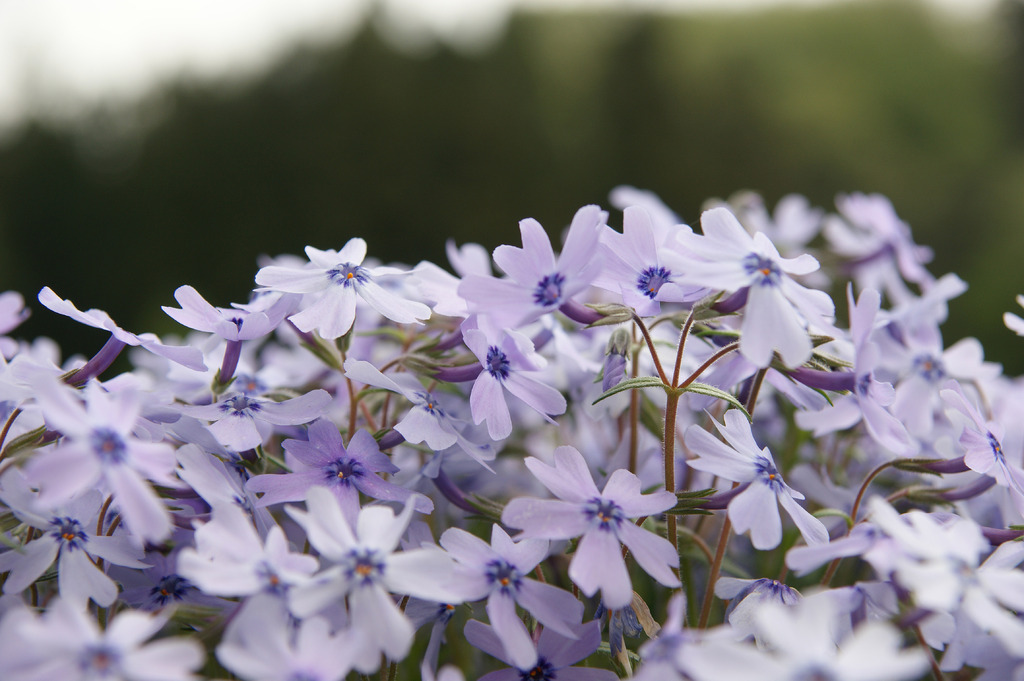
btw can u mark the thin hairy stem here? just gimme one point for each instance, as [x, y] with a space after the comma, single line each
[708, 362]
[683, 334]
[650, 346]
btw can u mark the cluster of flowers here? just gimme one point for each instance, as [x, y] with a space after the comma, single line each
[588, 436]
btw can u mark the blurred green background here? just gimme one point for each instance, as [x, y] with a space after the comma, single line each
[409, 148]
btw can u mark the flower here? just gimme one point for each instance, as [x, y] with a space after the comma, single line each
[870, 397]
[643, 265]
[602, 518]
[242, 422]
[367, 568]
[429, 421]
[231, 324]
[99, 444]
[983, 444]
[555, 653]
[537, 282]
[498, 572]
[509, 362]
[778, 310]
[324, 460]
[339, 277]
[803, 641]
[756, 508]
[230, 559]
[65, 643]
[66, 535]
[184, 355]
[263, 644]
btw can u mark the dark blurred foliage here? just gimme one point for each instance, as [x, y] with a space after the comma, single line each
[407, 150]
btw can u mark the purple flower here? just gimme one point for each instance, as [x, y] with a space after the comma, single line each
[603, 520]
[498, 572]
[555, 654]
[538, 282]
[242, 422]
[778, 310]
[65, 643]
[879, 245]
[1012, 321]
[65, 535]
[339, 277]
[747, 596]
[870, 397]
[509, 363]
[263, 644]
[99, 444]
[12, 313]
[983, 443]
[231, 324]
[184, 355]
[643, 264]
[756, 508]
[428, 420]
[324, 460]
[367, 569]
[230, 559]
[218, 483]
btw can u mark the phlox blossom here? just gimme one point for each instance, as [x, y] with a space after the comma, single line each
[601, 518]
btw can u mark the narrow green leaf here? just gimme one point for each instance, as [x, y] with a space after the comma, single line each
[712, 391]
[630, 384]
[834, 513]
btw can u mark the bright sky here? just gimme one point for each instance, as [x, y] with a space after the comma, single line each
[56, 55]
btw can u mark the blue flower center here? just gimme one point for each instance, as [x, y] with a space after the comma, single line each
[108, 445]
[100, 662]
[272, 582]
[651, 280]
[444, 612]
[544, 671]
[248, 384]
[930, 368]
[604, 512]
[497, 363]
[549, 290]
[68, 533]
[863, 384]
[240, 405]
[429, 403]
[503, 576]
[343, 471]
[347, 275]
[170, 588]
[768, 473]
[764, 270]
[364, 566]
[997, 449]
